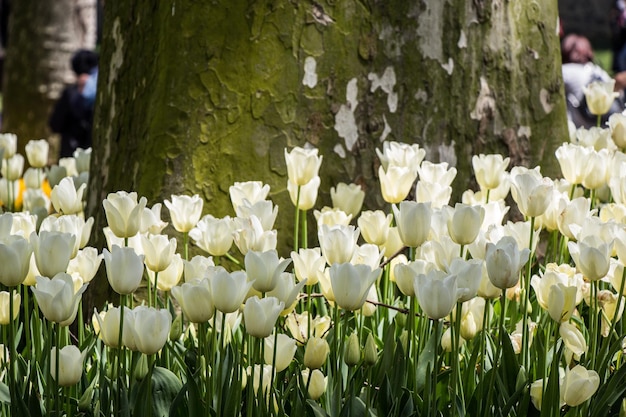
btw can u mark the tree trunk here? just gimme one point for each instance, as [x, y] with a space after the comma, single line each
[194, 96]
[43, 36]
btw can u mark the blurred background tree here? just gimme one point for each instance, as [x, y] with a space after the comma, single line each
[42, 36]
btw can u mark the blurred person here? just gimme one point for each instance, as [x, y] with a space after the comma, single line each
[72, 116]
[578, 72]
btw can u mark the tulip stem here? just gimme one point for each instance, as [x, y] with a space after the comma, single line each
[411, 348]
[49, 373]
[606, 343]
[496, 358]
[525, 299]
[435, 370]
[57, 352]
[81, 324]
[186, 244]
[296, 232]
[12, 357]
[271, 387]
[593, 324]
[156, 289]
[120, 353]
[26, 305]
[554, 373]
[220, 360]
[305, 236]
[251, 393]
[456, 366]
[483, 351]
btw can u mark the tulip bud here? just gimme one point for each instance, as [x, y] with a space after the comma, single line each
[489, 170]
[371, 351]
[305, 196]
[396, 182]
[404, 340]
[82, 158]
[15, 254]
[66, 199]
[264, 269]
[504, 261]
[229, 289]
[302, 165]
[260, 315]
[58, 301]
[141, 369]
[464, 222]
[285, 350]
[316, 352]
[124, 269]
[177, 328]
[414, 221]
[158, 251]
[70, 365]
[123, 213]
[573, 339]
[13, 167]
[5, 307]
[536, 393]
[53, 251]
[351, 284]
[352, 351]
[253, 191]
[8, 144]
[185, 211]
[600, 96]
[437, 293]
[195, 300]
[348, 198]
[561, 302]
[37, 153]
[579, 385]
[316, 382]
[151, 328]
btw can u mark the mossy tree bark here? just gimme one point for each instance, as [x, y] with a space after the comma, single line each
[43, 36]
[194, 96]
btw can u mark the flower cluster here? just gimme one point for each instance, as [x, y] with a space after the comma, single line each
[425, 293]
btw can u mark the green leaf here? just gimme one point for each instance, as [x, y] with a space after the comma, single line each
[354, 407]
[425, 362]
[408, 407]
[316, 409]
[385, 397]
[159, 394]
[5, 395]
[612, 391]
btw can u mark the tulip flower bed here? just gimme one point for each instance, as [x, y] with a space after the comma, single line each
[425, 309]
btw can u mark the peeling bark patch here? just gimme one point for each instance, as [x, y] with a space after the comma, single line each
[340, 151]
[544, 97]
[462, 43]
[352, 92]
[449, 67]
[421, 95]
[386, 130]
[345, 123]
[524, 131]
[310, 74]
[430, 29]
[386, 83]
[117, 58]
[447, 154]
[485, 103]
